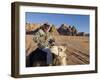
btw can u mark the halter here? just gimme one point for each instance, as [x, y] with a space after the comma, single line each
[59, 53]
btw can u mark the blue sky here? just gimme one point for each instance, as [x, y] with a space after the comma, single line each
[81, 22]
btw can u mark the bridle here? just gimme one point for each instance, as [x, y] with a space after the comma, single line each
[59, 49]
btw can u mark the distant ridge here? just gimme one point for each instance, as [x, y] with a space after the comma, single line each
[64, 29]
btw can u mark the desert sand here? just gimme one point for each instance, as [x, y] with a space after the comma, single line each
[77, 48]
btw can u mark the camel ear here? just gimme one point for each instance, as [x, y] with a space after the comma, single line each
[65, 48]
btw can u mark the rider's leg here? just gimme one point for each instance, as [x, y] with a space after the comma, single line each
[49, 56]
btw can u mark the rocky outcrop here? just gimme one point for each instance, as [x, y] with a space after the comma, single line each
[54, 30]
[31, 26]
[80, 34]
[64, 29]
[67, 30]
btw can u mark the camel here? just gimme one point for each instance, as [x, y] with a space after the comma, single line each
[60, 55]
[38, 58]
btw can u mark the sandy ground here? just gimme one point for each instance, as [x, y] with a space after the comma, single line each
[77, 48]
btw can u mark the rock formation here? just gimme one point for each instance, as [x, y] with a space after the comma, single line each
[67, 30]
[31, 26]
[54, 30]
[64, 29]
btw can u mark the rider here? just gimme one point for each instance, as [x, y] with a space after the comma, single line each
[44, 40]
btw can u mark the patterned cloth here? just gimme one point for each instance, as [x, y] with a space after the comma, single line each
[42, 39]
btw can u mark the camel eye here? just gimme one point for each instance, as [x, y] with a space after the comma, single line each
[60, 49]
